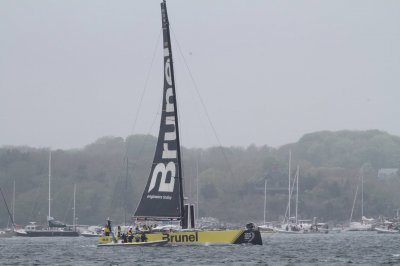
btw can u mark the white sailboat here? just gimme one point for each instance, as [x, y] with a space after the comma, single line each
[266, 227]
[365, 224]
[55, 228]
[8, 232]
[291, 225]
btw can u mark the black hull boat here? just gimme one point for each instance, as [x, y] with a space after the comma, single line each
[54, 228]
[46, 233]
[163, 196]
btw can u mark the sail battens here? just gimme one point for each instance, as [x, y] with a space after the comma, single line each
[162, 197]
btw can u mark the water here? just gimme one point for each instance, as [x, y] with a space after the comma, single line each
[351, 248]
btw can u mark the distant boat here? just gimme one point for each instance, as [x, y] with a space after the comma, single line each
[266, 228]
[55, 228]
[380, 230]
[388, 227]
[290, 224]
[87, 233]
[366, 224]
[8, 232]
[163, 197]
[92, 231]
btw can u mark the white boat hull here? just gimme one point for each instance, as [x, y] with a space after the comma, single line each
[283, 231]
[386, 231]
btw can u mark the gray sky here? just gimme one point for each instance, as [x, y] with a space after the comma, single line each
[72, 71]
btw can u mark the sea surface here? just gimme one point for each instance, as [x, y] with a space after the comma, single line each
[345, 248]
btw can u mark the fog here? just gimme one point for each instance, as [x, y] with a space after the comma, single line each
[267, 71]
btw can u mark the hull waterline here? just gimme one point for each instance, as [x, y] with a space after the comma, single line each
[218, 237]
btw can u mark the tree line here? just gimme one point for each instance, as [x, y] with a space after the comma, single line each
[111, 174]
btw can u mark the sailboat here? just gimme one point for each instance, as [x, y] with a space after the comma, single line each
[291, 224]
[55, 228]
[266, 227]
[366, 223]
[163, 199]
[8, 232]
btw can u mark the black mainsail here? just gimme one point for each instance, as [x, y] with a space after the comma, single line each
[162, 198]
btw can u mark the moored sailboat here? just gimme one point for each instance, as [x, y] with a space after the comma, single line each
[163, 199]
[266, 228]
[366, 224]
[55, 228]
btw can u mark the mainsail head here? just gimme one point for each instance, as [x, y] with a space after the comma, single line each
[162, 198]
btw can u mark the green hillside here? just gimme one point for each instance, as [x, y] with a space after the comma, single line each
[231, 179]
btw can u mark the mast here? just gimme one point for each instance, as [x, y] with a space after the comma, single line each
[265, 199]
[290, 162]
[197, 189]
[126, 186]
[8, 210]
[167, 40]
[297, 191]
[13, 203]
[362, 195]
[74, 215]
[49, 184]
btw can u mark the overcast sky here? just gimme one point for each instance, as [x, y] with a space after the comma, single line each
[268, 72]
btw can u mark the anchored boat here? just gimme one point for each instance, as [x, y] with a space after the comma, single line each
[55, 228]
[163, 199]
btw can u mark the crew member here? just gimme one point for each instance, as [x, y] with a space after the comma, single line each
[130, 235]
[106, 230]
[143, 237]
[119, 232]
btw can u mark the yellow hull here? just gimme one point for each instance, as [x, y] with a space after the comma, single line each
[221, 237]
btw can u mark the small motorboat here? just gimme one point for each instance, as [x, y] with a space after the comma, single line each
[88, 233]
[386, 230]
[156, 243]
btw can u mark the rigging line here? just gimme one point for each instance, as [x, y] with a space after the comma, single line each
[147, 138]
[155, 50]
[151, 127]
[355, 198]
[201, 100]
[291, 192]
[8, 210]
[35, 208]
[181, 137]
[146, 82]
[67, 211]
[143, 92]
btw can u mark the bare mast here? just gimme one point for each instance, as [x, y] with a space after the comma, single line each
[265, 199]
[297, 191]
[290, 162]
[49, 185]
[13, 202]
[74, 215]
